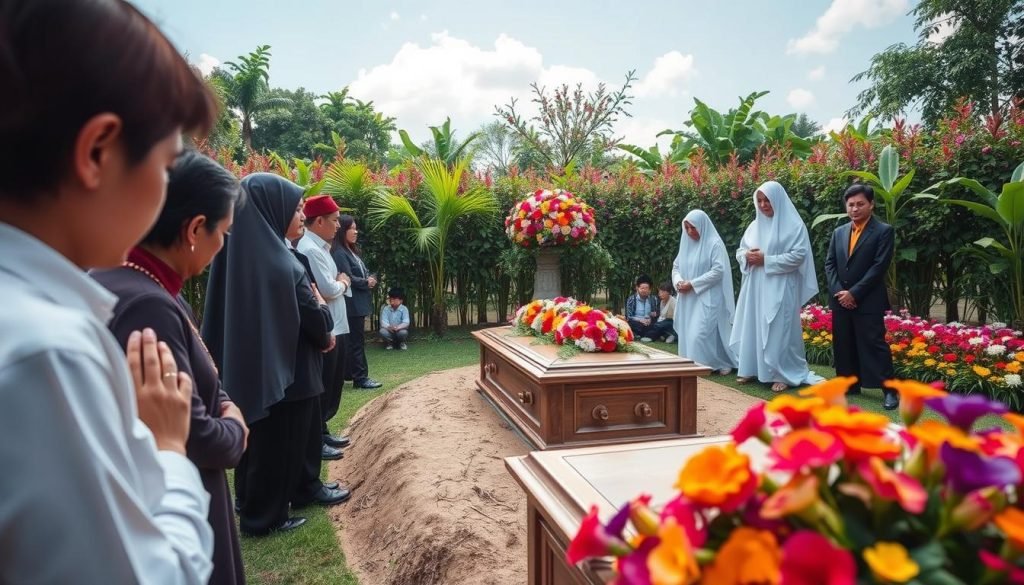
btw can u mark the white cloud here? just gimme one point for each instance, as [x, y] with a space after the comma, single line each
[817, 73]
[207, 63]
[394, 15]
[642, 132]
[945, 28]
[835, 125]
[799, 98]
[843, 16]
[423, 17]
[669, 71]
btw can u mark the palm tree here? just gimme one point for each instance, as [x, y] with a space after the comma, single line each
[443, 208]
[248, 87]
[446, 147]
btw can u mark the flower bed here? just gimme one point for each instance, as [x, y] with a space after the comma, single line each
[968, 360]
[573, 325]
[839, 497]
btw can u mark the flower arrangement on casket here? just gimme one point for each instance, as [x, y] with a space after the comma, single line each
[550, 218]
[576, 326]
[842, 496]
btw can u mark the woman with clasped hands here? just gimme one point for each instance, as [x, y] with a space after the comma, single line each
[778, 278]
[201, 197]
[95, 485]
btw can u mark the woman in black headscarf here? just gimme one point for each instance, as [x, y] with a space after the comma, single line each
[201, 196]
[266, 328]
[347, 258]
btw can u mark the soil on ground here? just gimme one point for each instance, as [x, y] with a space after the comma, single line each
[432, 502]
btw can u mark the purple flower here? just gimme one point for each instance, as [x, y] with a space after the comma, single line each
[616, 525]
[961, 411]
[967, 471]
[633, 567]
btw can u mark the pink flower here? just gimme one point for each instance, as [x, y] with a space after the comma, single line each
[752, 425]
[809, 558]
[593, 541]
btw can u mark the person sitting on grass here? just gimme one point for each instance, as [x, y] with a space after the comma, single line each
[642, 309]
[663, 327]
[394, 321]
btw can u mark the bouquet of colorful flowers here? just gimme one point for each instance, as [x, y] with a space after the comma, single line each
[550, 218]
[837, 496]
[566, 322]
[986, 360]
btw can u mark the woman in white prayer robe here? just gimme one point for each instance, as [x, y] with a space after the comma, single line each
[778, 278]
[704, 304]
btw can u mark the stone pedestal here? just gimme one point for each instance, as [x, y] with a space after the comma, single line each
[547, 281]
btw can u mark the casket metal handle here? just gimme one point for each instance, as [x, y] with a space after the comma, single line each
[600, 412]
[525, 397]
[643, 410]
[491, 368]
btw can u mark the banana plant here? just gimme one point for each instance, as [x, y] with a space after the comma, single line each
[889, 188]
[302, 174]
[861, 130]
[651, 161]
[1005, 210]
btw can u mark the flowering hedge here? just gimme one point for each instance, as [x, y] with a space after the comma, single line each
[812, 491]
[986, 360]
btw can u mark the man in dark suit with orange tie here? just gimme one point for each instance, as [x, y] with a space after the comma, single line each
[859, 255]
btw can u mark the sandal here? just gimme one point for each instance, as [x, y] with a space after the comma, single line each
[744, 379]
[724, 371]
[779, 387]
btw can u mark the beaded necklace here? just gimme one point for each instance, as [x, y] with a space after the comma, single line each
[191, 325]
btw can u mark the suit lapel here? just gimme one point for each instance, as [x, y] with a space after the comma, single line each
[868, 230]
[844, 238]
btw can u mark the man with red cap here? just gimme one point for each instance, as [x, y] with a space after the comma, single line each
[321, 224]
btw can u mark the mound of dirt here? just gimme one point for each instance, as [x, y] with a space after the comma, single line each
[432, 502]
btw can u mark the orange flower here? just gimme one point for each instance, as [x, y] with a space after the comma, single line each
[832, 391]
[793, 498]
[912, 397]
[805, 448]
[1016, 420]
[672, 561]
[863, 434]
[932, 434]
[748, 557]
[796, 411]
[718, 476]
[1011, 522]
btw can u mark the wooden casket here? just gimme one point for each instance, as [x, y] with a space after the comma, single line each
[590, 399]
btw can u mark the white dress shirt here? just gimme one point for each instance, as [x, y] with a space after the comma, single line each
[325, 271]
[85, 497]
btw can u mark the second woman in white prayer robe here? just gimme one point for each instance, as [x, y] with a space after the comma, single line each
[778, 278]
[704, 304]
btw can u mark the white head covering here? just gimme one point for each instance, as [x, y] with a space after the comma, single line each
[695, 257]
[782, 232]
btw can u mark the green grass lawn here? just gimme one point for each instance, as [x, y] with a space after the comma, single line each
[312, 555]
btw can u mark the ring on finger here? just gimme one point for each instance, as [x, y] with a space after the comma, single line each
[171, 375]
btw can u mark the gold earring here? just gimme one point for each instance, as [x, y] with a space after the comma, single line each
[193, 248]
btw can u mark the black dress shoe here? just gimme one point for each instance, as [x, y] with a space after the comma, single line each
[339, 442]
[331, 485]
[367, 384]
[330, 453]
[892, 402]
[853, 392]
[327, 497]
[290, 524]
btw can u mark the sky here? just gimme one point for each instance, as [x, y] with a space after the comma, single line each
[423, 61]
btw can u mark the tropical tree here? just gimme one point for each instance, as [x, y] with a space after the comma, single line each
[1004, 255]
[981, 58]
[740, 131]
[351, 181]
[365, 132]
[889, 187]
[293, 131]
[806, 128]
[445, 146]
[570, 123]
[443, 207]
[248, 88]
[498, 146]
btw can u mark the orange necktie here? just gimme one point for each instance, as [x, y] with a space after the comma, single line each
[854, 236]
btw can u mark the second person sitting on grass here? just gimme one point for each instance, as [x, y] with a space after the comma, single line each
[394, 321]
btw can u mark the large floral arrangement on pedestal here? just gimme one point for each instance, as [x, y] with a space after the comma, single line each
[550, 218]
[837, 496]
[576, 326]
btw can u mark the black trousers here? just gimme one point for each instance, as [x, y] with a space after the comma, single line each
[334, 381]
[269, 471]
[308, 482]
[859, 347]
[355, 366]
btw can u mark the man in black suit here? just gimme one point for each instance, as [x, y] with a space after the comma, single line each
[858, 258]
